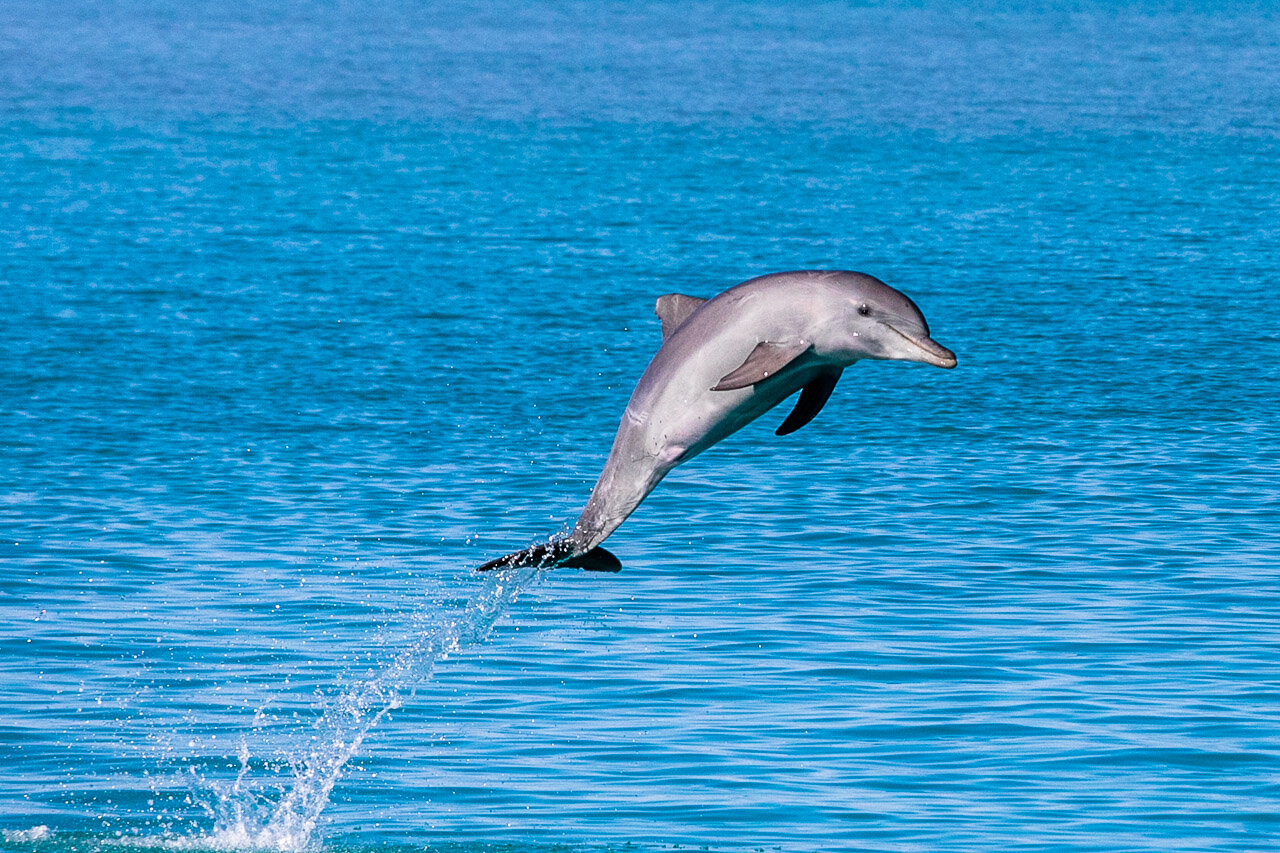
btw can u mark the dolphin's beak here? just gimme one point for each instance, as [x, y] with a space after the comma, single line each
[931, 352]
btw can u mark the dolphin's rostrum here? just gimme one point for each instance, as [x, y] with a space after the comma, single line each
[724, 362]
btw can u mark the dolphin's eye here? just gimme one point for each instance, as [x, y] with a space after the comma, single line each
[864, 310]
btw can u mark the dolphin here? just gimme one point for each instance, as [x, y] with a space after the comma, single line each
[724, 362]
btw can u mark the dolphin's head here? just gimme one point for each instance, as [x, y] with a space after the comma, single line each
[875, 321]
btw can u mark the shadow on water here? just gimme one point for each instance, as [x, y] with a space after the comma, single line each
[245, 817]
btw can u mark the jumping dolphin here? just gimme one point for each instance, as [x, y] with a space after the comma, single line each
[723, 363]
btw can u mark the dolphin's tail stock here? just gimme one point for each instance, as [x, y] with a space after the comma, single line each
[558, 553]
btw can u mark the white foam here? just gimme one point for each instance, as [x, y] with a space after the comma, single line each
[35, 833]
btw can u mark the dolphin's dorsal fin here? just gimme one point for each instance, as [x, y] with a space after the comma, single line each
[812, 399]
[764, 361]
[673, 309]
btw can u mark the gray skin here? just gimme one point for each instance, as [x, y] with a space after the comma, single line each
[723, 363]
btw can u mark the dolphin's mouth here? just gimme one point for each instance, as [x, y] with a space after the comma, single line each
[933, 352]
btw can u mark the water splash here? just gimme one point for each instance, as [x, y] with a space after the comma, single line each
[243, 822]
[26, 836]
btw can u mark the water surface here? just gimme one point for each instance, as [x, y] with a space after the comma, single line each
[308, 311]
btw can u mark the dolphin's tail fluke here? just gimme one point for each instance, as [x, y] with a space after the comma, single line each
[558, 553]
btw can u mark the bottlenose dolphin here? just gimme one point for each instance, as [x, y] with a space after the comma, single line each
[723, 363]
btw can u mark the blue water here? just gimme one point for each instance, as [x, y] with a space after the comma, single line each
[308, 309]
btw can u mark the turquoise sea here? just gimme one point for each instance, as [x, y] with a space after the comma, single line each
[308, 308]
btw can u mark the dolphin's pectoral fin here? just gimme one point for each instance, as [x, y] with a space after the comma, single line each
[764, 361]
[673, 309]
[812, 398]
[595, 560]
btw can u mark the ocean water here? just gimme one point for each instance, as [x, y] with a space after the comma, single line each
[307, 309]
